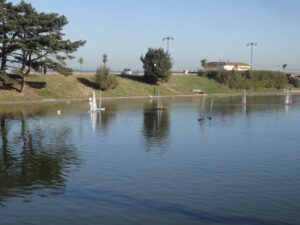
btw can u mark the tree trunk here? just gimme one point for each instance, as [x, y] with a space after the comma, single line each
[3, 56]
[24, 76]
[22, 90]
[45, 69]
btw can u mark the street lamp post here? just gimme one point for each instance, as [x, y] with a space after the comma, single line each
[154, 68]
[168, 39]
[251, 44]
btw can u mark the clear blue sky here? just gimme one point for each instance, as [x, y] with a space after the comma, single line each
[211, 29]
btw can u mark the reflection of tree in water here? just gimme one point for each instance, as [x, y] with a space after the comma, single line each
[156, 127]
[32, 156]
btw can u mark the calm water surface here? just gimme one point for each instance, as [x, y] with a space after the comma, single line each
[133, 165]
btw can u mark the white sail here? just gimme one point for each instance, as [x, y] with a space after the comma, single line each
[93, 103]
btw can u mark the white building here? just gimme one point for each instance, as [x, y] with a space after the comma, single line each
[226, 66]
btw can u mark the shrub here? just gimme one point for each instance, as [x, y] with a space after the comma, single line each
[294, 81]
[249, 79]
[104, 80]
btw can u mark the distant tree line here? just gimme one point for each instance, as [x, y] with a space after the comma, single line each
[31, 40]
[248, 79]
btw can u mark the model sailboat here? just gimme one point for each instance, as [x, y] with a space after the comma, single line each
[288, 98]
[93, 104]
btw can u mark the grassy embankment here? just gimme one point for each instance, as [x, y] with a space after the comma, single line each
[42, 87]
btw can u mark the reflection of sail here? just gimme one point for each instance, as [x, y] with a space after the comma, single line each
[288, 98]
[244, 108]
[159, 106]
[94, 119]
[159, 116]
[100, 120]
[287, 108]
[244, 100]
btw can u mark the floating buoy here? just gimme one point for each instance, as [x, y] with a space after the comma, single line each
[58, 112]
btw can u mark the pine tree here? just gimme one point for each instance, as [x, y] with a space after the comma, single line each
[34, 40]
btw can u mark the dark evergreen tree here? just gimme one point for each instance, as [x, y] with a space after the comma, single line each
[34, 40]
[157, 65]
[10, 27]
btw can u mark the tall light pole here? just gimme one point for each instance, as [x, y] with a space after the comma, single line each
[251, 44]
[154, 73]
[168, 39]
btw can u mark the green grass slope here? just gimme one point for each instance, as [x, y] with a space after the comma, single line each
[52, 86]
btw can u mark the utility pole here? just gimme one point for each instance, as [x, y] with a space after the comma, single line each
[251, 44]
[168, 39]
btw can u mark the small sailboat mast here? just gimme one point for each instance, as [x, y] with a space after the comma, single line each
[100, 100]
[100, 108]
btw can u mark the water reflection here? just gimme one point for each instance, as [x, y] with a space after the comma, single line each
[229, 110]
[230, 107]
[287, 109]
[100, 120]
[156, 127]
[33, 155]
[243, 159]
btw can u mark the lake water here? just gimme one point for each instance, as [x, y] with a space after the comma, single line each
[133, 165]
